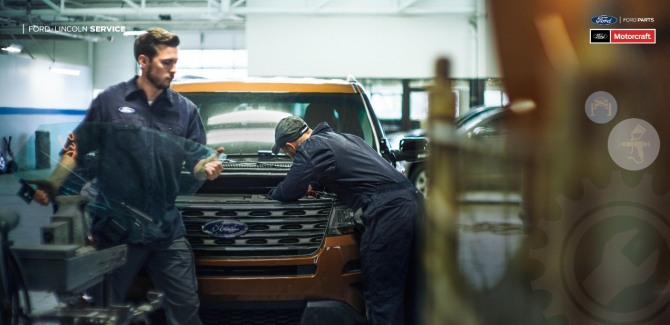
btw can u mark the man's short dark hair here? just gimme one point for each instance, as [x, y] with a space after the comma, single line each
[148, 42]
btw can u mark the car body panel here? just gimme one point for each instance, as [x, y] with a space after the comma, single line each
[331, 262]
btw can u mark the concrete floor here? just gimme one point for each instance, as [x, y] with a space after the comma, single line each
[492, 248]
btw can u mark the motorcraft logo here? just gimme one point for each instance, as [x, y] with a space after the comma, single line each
[623, 36]
[604, 20]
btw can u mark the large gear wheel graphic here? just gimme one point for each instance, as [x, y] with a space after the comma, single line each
[605, 261]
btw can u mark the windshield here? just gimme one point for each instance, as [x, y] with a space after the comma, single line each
[244, 123]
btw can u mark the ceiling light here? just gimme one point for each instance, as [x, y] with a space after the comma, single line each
[134, 32]
[13, 48]
[522, 105]
[63, 69]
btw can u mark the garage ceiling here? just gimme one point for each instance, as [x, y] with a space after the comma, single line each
[17, 15]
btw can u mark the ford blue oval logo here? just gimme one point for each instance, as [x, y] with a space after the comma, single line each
[126, 109]
[604, 20]
[225, 228]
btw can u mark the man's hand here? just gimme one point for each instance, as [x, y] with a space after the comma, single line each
[48, 188]
[213, 169]
[311, 192]
[45, 191]
[209, 168]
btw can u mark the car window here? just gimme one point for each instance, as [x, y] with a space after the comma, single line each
[494, 127]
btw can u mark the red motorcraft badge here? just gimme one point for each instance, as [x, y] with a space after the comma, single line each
[634, 36]
[623, 36]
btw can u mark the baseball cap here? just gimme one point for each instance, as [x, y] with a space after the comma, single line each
[288, 129]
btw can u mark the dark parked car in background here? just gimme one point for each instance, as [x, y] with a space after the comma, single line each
[485, 125]
[486, 168]
[414, 170]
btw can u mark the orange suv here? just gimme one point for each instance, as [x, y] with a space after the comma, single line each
[260, 261]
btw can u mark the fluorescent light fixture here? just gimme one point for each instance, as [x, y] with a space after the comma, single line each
[134, 32]
[13, 48]
[62, 69]
[67, 71]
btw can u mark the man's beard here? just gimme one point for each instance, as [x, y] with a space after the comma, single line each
[156, 81]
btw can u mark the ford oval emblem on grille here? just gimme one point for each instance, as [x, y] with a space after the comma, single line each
[225, 228]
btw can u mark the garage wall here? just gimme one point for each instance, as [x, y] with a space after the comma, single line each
[368, 46]
[67, 51]
[29, 84]
[34, 97]
[212, 39]
[113, 62]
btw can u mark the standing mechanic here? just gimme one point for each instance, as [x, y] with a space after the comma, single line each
[390, 204]
[143, 132]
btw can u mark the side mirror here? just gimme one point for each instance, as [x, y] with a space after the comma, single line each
[412, 149]
[481, 131]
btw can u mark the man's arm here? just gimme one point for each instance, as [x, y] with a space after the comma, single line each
[82, 140]
[297, 181]
[47, 189]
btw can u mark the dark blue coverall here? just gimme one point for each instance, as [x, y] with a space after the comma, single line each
[141, 149]
[347, 166]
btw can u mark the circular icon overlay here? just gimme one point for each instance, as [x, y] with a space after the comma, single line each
[600, 107]
[633, 144]
[613, 265]
[604, 259]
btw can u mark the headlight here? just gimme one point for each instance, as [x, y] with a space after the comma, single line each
[341, 221]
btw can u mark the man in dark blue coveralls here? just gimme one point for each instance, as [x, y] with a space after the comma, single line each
[347, 166]
[143, 133]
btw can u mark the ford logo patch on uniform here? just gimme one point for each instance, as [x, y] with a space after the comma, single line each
[225, 228]
[126, 109]
[604, 20]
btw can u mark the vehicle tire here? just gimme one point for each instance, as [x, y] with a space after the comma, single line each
[418, 177]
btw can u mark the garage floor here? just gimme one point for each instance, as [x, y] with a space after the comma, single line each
[492, 256]
[491, 247]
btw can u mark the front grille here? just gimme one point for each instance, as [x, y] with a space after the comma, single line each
[273, 229]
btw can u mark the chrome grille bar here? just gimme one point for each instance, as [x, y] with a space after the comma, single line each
[274, 229]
